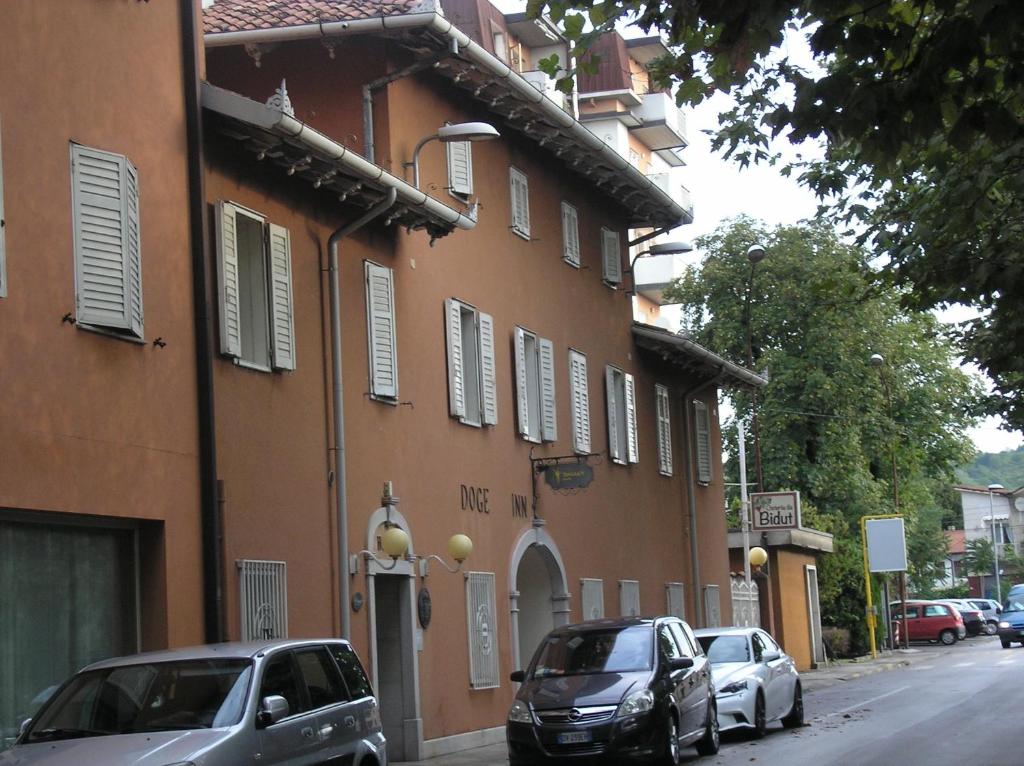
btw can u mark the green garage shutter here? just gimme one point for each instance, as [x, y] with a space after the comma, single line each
[67, 598]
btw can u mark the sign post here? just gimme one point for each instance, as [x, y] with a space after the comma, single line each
[884, 547]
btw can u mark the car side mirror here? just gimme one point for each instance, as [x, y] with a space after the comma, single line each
[999, 610]
[680, 663]
[272, 709]
[517, 676]
[23, 727]
[770, 657]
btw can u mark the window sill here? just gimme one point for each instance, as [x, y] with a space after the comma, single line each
[611, 285]
[520, 233]
[470, 423]
[250, 365]
[110, 333]
[391, 400]
[570, 262]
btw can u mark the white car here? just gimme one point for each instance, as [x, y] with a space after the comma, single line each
[756, 683]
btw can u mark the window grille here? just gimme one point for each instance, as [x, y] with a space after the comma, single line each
[263, 597]
[592, 598]
[674, 600]
[483, 635]
[629, 598]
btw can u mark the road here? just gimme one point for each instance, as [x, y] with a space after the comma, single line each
[956, 706]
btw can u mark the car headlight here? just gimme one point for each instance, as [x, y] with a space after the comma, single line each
[638, 702]
[519, 713]
[734, 688]
[1004, 624]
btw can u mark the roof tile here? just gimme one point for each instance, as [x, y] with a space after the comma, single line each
[248, 15]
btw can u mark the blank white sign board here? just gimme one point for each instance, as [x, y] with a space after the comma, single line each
[887, 545]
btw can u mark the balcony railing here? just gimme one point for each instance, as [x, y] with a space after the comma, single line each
[679, 193]
[663, 123]
[545, 85]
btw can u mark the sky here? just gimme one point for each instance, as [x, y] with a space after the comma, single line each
[721, 190]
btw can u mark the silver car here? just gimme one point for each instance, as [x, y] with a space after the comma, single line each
[756, 682]
[271, 702]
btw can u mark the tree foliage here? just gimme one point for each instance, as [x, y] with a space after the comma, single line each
[920, 106]
[1006, 468]
[831, 425]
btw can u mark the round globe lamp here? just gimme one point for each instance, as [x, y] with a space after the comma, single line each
[758, 556]
[459, 547]
[395, 542]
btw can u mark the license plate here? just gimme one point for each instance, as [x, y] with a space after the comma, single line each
[573, 737]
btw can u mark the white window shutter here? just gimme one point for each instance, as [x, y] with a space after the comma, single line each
[610, 256]
[632, 442]
[456, 364]
[629, 598]
[592, 598]
[664, 430]
[380, 330]
[520, 193]
[548, 417]
[488, 376]
[460, 167]
[570, 234]
[3, 224]
[522, 391]
[614, 448]
[483, 630]
[702, 434]
[106, 240]
[580, 404]
[263, 599]
[282, 310]
[227, 278]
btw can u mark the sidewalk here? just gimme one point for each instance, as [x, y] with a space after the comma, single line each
[837, 672]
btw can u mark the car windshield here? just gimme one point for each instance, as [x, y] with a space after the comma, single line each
[1014, 603]
[615, 650]
[165, 696]
[721, 649]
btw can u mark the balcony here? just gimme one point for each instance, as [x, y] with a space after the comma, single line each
[654, 273]
[663, 125]
[679, 193]
[546, 85]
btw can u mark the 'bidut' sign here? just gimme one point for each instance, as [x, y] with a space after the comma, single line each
[774, 510]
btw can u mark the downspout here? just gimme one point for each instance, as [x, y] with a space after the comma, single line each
[380, 82]
[337, 401]
[214, 629]
[691, 495]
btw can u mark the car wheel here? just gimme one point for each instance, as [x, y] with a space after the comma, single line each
[990, 628]
[947, 637]
[760, 718]
[795, 717]
[708, 744]
[670, 752]
[1005, 643]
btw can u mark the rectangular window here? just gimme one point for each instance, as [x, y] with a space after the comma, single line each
[3, 224]
[263, 598]
[254, 270]
[520, 194]
[674, 603]
[661, 398]
[592, 598]
[570, 235]
[702, 436]
[629, 598]
[535, 387]
[620, 390]
[580, 402]
[483, 630]
[611, 259]
[460, 168]
[380, 331]
[472, 381]
[108, 261]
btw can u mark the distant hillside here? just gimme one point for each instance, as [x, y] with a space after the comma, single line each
[1006, 468]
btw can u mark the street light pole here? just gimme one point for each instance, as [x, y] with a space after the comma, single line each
[744, 510]
[995, 547]
[755, 254]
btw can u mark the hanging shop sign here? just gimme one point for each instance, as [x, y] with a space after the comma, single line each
[574, 474]
[774, 510]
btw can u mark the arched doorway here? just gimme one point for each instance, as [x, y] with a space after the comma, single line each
[539, 594]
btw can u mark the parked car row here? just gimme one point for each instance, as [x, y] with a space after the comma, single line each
[639, 689]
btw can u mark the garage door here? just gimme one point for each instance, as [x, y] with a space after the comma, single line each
[67, 598]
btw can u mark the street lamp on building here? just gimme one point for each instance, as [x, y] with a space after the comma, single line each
[995, 546]
[662, 248]
[755, 254]
[446, 134]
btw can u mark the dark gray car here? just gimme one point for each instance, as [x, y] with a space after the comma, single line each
[273, 703]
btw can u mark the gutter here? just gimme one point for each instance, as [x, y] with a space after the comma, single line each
[214, 629]
[479, 57]
[266, 118]
[726, 368]
[338, 403]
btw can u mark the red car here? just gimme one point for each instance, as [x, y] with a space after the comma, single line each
[932, 621]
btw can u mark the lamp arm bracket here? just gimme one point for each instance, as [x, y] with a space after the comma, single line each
[370, 555]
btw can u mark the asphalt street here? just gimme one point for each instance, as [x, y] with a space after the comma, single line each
[953, 706]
